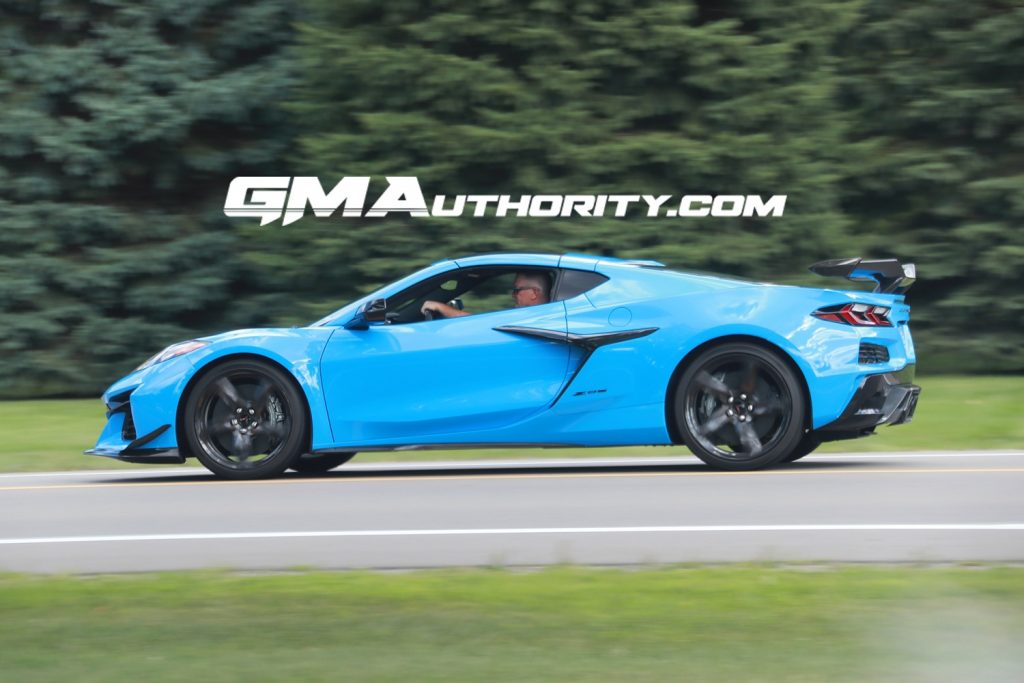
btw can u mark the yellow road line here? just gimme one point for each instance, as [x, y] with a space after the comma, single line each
[485, 476]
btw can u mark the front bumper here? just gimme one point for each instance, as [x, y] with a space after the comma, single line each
[888, 398]
[141, 415]
[136, 451]
[163, 456]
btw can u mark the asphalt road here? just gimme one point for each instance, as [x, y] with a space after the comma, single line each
[923, 507]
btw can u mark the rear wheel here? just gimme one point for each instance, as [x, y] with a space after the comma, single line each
[245, 420]
[739, 406]
[807, 444]
[311, 463]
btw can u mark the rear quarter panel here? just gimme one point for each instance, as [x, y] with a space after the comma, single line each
[690, 311]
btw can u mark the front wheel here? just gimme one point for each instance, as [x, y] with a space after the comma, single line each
[312, 463]
[738, 406]
[245, 419]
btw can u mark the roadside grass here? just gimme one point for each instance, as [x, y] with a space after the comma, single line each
[750, 623]
[955, 413]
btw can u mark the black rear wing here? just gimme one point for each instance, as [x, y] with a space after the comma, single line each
[889, 275]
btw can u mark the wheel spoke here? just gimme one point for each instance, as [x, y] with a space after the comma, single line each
[748, 437]
[221, 428]
[228, 393]
[241, 444]
[749, 382]
[715, 422]
[713, 385]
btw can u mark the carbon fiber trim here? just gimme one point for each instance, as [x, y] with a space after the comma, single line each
[584, 341]
[887, 398]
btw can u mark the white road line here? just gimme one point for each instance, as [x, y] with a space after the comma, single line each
[510, 532]
[126, 470]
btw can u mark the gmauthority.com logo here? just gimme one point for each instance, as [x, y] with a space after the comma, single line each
[271, 197]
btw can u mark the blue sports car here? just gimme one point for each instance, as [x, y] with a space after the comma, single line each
[535, 350]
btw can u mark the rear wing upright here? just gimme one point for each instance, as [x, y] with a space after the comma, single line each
[889, 275]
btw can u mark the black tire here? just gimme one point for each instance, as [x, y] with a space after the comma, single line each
[807, 444]
[245, 419]
[311, 463]
[738, 406]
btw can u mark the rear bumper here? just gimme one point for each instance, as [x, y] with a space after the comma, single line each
[888, 398]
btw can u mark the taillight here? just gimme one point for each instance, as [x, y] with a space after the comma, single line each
[861, 315]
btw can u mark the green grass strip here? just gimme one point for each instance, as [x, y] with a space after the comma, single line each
[748, 623]
[955, 413]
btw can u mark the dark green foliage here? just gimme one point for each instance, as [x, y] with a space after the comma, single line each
[894, 129]
[601, 97]
[935, 168]
[122, 124]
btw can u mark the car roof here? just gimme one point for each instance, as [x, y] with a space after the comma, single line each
[577, 261]
[536, 260]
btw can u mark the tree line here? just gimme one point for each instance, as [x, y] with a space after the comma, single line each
[894, 129]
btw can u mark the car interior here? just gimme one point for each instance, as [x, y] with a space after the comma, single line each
[482, 290]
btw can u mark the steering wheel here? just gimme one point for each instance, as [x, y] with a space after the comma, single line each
[429, 314]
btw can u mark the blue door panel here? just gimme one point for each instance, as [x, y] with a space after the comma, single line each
[409, 384]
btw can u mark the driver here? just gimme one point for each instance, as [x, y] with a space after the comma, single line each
[529, 289]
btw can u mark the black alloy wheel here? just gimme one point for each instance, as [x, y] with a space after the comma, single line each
[738, 406]
[313, 463]
[807, 444]
[245, 419]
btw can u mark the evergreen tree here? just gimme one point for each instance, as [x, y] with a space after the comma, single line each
[122, 126]
[638, 97]
[894, 129]
[935, 169]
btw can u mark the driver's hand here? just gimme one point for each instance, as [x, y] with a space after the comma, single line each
[440, 310]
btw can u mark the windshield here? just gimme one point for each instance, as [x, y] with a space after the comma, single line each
[344, 313]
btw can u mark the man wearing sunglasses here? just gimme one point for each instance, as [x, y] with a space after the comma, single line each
[529, 289]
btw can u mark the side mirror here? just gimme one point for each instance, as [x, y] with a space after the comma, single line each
[371, 312]
[375, 311]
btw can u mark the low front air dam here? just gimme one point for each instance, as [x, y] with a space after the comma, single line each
[888, 398]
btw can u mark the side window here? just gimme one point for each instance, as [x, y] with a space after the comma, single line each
[572, 283]
[492, 292]
[475, 290]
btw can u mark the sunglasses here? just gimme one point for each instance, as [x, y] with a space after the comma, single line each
[516, 290]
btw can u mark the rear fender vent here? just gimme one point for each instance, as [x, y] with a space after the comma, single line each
[873, 353]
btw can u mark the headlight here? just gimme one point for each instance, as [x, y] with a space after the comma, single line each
[173, 351]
